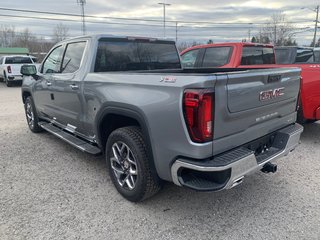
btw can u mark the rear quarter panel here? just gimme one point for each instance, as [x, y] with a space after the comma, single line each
[310, 89]
[158, 103]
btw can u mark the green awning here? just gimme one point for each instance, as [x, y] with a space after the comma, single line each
[10, 51]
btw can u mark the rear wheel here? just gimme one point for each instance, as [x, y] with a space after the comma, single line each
[9, 84]
[32, 116]
[300, 117]
[129, 166]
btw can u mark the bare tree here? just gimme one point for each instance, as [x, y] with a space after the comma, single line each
[60, 32]
[24, 39]
[278, 30]
[37, 46]
[7, 36]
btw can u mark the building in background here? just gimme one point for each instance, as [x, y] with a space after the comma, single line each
[14, 51]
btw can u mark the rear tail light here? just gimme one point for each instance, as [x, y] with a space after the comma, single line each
[198, 112]
[9, 69]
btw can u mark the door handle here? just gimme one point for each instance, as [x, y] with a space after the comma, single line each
[49, 84]
[74, 87]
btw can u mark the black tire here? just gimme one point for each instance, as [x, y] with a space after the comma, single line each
[147, 183]
[32, 116]
[9, 84]
[300, 117]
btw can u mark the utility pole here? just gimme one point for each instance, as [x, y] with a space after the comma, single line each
[316, 10]
[176, 32]
[249, 31]
[316, 27]
[260, 36]
[275, 34]
[82, 3]
[164, 16]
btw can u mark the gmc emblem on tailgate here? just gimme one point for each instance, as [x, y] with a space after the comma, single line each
[271, 94]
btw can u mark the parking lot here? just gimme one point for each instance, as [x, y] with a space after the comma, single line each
[49, 190]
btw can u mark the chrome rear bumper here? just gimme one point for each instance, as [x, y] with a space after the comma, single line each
[244, 162]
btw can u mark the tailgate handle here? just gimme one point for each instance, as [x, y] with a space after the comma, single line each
[274, 78]
[74, 87]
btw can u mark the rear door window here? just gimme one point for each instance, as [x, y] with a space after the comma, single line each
[216, 56]
[188, 59]
[131, 55]
[72, 57]
[257, 55]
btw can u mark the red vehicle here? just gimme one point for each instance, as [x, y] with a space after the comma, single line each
[229, 55]
[308, 60]
[251, 55]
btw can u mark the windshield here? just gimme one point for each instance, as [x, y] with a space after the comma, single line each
[125, 55]
[18, 60]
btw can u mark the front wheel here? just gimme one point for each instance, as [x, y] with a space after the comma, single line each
[32, 116]
[129, 165]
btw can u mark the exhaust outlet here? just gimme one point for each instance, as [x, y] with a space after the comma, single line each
[237, 182]
[269, 168]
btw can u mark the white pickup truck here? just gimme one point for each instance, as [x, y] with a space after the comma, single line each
[10, 68]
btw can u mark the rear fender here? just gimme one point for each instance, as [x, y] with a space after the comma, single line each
[126, 112]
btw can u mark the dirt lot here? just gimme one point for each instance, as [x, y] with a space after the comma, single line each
[49, 190]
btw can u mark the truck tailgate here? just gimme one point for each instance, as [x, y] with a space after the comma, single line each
[255, 97]
[255, 90]
[15, 69]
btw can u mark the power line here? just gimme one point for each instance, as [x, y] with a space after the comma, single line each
[140, 19]
[128, 24]
[73, 20]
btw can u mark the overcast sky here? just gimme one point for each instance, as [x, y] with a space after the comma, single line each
[236, 12]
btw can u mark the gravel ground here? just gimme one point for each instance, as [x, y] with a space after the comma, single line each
[49, 190]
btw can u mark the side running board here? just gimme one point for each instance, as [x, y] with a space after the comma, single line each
[71, 139]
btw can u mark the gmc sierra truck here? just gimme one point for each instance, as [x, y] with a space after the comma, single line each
[129, 98]
[260, 56]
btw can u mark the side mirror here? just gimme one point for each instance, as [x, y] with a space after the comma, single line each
[28, 70]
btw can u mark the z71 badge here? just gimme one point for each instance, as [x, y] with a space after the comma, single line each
[271, 94]
[168, 79]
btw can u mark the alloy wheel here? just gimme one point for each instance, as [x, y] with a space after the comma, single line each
[30, 115]
[124, 165]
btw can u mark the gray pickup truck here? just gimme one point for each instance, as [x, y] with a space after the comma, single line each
[129, 98]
